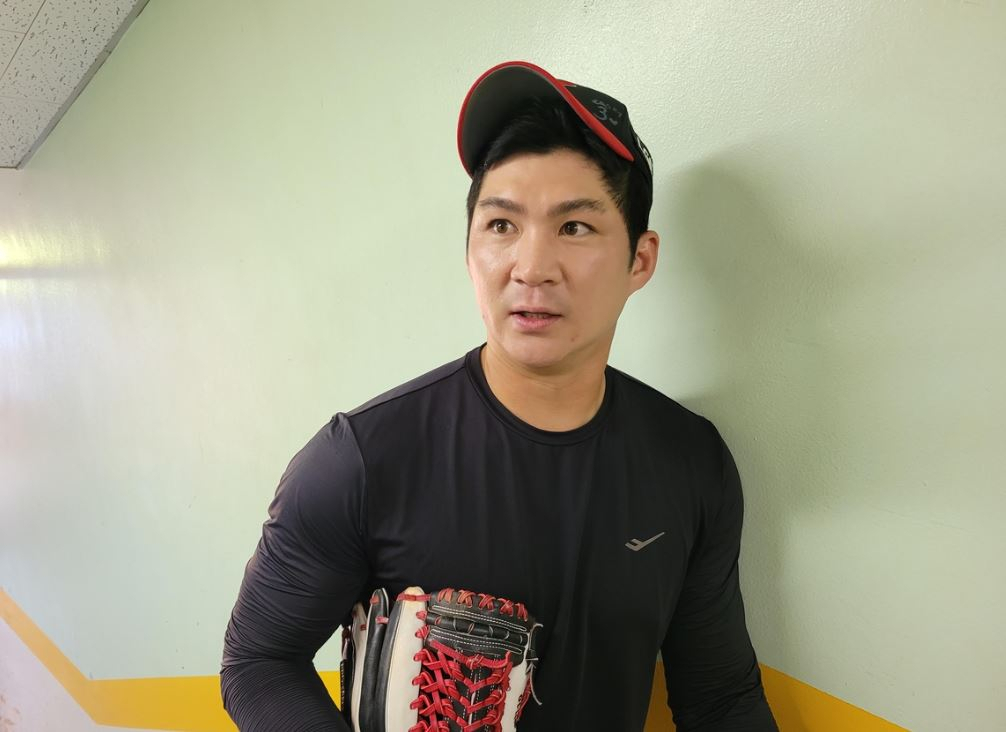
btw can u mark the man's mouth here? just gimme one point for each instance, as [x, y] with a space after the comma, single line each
[534, 314]
[532, 321]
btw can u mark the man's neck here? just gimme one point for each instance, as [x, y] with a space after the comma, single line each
[557, 402]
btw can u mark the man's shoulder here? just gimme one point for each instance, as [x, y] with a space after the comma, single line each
[418, 387]
[649, 406]
[661, 426]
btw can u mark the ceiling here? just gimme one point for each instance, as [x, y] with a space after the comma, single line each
[49, 50]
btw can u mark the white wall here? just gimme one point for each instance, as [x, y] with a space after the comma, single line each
[253, 218]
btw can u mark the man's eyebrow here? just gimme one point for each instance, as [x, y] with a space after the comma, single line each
[560, 209]
[577, 204]
[504, 203]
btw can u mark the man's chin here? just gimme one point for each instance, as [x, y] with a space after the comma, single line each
[535, 354]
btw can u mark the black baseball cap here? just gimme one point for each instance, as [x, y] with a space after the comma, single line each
[500, 92]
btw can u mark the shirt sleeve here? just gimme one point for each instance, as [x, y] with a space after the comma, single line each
[308, 569]
[713, 680]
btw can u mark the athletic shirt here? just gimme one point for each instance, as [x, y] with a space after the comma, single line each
[621, 537]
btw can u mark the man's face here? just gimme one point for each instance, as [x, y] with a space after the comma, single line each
[548, 254]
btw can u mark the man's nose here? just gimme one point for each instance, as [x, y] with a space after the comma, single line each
[536, 259]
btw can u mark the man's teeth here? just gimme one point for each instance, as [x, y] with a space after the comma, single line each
[536, 315]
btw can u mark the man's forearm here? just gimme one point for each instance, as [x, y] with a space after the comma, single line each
[275, 696]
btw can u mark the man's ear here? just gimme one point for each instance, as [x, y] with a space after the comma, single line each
[644, 263]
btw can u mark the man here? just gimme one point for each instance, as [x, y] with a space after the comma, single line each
[528, 468]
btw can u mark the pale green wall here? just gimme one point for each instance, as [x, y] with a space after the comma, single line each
[253, 218]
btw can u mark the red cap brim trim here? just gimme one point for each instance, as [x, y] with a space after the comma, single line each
[560, 86]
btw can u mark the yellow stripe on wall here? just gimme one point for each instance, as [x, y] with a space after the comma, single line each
[797, 707]
[193, 704]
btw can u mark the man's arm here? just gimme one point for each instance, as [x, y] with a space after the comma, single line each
[307, 571]
[713, 680]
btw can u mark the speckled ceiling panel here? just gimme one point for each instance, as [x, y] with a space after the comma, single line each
[60, 47]
[21, 122]
[8, 45]
[17, 15]
[47, 49]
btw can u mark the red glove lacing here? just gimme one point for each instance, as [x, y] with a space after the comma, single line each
[444, 683]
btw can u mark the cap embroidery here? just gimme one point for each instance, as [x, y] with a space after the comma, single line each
[645, 151]
[607, 112]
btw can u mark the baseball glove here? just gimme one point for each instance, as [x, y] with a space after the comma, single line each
[453, 661]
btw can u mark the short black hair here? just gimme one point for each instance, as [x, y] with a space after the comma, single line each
[545, 126]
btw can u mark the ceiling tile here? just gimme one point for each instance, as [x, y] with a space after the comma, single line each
[8, 45]
[21, 122]
[16, 15]
[60, 47]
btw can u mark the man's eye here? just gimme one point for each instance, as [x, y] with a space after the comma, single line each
[572, 228]
[499, 226]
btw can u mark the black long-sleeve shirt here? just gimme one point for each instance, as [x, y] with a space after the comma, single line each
[621, 537]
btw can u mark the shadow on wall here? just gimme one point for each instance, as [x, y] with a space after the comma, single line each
[765, 300]
[838, 306]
